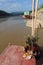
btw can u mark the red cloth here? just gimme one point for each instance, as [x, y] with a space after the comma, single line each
[13, 55]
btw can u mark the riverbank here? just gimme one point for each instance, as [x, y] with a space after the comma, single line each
[38, 25]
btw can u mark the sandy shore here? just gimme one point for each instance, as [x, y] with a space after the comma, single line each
[38, 22]
[39, 25]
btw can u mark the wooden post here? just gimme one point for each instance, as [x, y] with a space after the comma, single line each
[36, 7]
[34, 21]
[32, 18]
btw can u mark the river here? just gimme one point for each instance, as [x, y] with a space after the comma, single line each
[14, 30]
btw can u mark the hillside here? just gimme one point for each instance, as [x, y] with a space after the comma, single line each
[3, 14]
[41, 8]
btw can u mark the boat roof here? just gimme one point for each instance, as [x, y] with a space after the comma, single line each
[13, 55]
[26, 13]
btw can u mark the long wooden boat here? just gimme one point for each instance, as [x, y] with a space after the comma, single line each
[27, 16]
[13, 55]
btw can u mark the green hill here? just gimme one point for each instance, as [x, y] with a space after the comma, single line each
[4, 14]
[41, 7]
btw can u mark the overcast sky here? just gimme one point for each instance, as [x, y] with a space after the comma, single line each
[17, 5]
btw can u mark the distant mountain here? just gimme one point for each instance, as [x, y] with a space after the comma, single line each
[17, 13]
[4, 14]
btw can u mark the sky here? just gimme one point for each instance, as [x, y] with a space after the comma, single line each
[17, 5]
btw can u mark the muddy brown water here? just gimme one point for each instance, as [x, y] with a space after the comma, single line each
[14, 30]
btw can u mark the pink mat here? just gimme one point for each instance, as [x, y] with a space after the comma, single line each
[13, 55]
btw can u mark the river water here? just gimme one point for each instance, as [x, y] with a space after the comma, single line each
[14, 30]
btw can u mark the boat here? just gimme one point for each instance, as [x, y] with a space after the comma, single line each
[27, 15]
[14, 55]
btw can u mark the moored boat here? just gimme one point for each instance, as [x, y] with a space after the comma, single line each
[13, 55]
[27, 15]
